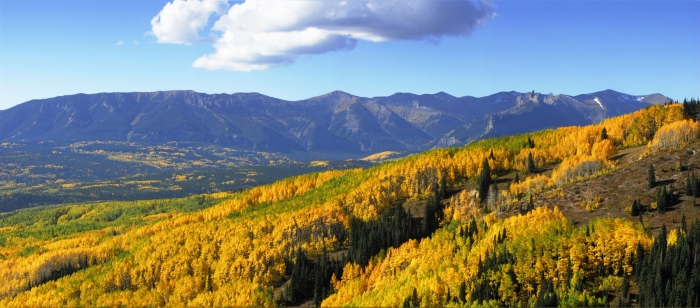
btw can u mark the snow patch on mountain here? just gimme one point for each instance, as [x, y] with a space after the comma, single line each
[598, 101]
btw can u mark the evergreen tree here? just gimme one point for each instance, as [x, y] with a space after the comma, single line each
[662, 199]
[651, 176]
[462, 295]
[530, 142]
[635, 208]
[625, 285]
[688, 186]
[547, 297]
[517, 178]
[530, 163]
[683, 224]
[484, 180]
[415, 302]
[604, 134]
[668, 275]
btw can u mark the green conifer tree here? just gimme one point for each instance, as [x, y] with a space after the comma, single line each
[484, 180]
[635, 208]
[462, 295]
[688, 186]
[530, 163]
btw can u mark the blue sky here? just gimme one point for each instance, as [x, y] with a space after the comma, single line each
[51, 48]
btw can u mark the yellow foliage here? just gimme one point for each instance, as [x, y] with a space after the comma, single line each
[233, 253]
[591, 204]
[672, 237]
[675, 134]
[440, 263]
[531, 185]
[576, 168]
[603, 149]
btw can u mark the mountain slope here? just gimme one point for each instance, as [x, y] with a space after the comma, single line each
[404, 232]
[335, 122]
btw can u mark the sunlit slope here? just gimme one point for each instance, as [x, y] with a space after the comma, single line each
[244, 249]
[509, 259]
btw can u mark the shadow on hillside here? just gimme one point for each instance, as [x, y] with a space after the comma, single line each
[663, 183]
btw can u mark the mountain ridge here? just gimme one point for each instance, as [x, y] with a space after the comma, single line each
[333, 122]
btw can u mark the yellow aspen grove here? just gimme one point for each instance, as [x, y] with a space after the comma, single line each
[674, 135]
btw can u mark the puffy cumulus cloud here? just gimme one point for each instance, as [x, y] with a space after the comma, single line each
[259, 34]
[180, 21]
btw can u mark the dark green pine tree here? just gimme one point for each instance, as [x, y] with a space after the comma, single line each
[661, 199]
[625, 286]
[604, 134]
[517, 178]
[462, 295]
[530, 142]
[651, 176]
[547, 297]
[484, 180]
[639, 259]
[530, 205]
[694, 184]
[688, 186]
[415, 302]
[635, 208]
[671, 196]
[683, 224]
[530, 163]
[491, 155]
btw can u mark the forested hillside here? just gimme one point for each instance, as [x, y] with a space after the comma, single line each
[457, 227]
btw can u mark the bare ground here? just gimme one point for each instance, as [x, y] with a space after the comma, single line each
[618, 189]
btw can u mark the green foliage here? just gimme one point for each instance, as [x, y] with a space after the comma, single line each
[72, 219]
[530, 163]
[28, 250]
[484, 180]
[670, 274]
[636, 208]
[530, 143]
[688, 185]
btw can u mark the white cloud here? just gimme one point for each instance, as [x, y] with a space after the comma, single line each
[259, 34]
[120, 42]
[136, 42]
[180, 21]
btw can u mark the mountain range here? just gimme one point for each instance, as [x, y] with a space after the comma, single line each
[335, 122]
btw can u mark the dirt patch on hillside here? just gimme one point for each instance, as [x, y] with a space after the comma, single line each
[628, 182]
